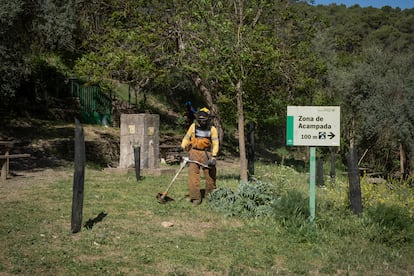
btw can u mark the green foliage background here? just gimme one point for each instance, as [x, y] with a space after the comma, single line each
[293, 53]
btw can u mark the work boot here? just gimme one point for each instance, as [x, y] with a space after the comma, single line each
[196, 202]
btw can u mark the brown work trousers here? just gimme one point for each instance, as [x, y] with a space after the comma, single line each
[194, 174]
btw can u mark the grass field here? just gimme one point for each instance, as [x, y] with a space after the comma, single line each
[138, 236]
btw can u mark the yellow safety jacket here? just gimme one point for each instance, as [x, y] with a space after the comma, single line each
[202, 139]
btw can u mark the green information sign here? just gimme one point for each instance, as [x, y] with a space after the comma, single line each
[313, 126]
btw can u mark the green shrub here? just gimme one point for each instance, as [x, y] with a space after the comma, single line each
[393, 224]
[252, 199]
[291, 205]
[259, 199]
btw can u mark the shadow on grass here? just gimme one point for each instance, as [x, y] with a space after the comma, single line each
[91, 222]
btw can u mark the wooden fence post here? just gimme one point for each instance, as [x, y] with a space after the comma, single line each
[137, 159]
[319, 172]
[354, 183]
[332, 172]
[78, 178]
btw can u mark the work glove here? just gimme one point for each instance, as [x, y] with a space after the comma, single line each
[212, 162]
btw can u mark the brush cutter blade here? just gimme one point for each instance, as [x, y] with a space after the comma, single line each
[163, 198]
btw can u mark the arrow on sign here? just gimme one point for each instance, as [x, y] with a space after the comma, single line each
[331, 135]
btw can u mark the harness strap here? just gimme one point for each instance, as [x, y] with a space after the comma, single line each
[206, 150]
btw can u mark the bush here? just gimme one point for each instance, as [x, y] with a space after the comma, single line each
[259, 199]
[393, 224]
[291, 205]
[252, 199]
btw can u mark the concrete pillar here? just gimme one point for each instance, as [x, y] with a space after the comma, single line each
[140, 130]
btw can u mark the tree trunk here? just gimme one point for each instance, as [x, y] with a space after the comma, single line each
[239, 89]
[242, 145]
[129, 95]
[212, 106]
[402, 160]
[250, 149]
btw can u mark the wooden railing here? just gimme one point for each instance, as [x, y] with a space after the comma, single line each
[5, 156]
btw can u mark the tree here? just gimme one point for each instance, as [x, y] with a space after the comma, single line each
[376, 92]
[11, 59]
[235, 45]
[29, 29]
[127, 46]
[220, 54]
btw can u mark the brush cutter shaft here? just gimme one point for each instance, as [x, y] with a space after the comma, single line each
[175, 177]
[185, 161]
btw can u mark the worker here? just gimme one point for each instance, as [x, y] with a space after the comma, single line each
[202, 143]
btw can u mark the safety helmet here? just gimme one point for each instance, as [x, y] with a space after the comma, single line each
[203, 114]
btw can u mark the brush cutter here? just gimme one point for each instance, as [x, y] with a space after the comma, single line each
[187, 160]
[163, 197]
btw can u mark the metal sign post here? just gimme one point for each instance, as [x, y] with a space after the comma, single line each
[313, 126]
[312, 204]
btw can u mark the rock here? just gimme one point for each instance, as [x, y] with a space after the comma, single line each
[167, 224]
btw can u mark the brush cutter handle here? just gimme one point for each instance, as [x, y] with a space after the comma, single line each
[199, 163]
[186, 159]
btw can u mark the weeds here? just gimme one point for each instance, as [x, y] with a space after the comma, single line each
[258, 228]
[392, 224]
